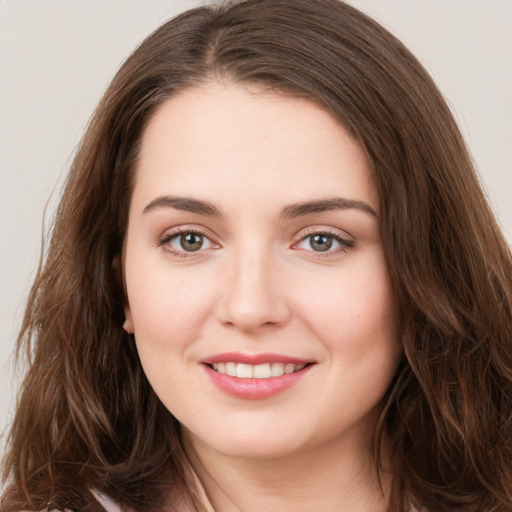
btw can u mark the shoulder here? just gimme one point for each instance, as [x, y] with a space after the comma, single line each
[109, 505]
[106, 502]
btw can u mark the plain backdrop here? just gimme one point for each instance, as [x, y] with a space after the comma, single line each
[57, 57]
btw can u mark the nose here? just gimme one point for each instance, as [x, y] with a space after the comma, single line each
[253, 294]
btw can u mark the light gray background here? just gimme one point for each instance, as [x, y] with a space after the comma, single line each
[57, 57]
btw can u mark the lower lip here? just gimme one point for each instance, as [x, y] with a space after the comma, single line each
[255, 389]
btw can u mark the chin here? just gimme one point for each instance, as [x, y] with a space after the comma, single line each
[264, 450]
[261, 444]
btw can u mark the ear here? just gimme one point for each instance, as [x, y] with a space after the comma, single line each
[118, 271]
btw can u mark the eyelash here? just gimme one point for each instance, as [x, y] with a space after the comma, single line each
[345, 243]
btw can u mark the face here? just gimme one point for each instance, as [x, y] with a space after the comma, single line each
[256, 282]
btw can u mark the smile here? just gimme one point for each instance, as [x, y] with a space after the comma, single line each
[259, 371]
[255, 377]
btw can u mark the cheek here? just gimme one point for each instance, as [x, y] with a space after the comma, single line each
[169, 313]
[353, 312]
[168, 308]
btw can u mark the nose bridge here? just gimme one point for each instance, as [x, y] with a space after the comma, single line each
[253, 294]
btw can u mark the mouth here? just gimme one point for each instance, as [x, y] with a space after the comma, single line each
[255, 376]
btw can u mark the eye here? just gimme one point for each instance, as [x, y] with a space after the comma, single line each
[186, 242]
[324, 243]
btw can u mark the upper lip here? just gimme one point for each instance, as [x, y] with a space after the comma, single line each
[253, 359]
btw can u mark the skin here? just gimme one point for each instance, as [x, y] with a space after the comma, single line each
[258, 285]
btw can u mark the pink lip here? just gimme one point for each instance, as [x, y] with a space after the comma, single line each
[253, 359]
[254, 389]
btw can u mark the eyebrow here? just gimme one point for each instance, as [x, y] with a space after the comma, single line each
[186, 204]
[200, 207]
[323, 205]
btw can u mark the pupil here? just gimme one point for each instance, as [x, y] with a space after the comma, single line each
[191, 242]
[321, 242]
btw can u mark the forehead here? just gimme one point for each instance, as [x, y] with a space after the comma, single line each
[232, 137]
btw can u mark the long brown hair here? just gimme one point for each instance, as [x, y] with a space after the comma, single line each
[87, 417]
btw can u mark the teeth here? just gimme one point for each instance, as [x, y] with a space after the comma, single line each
[277, 369]
[259, 371]
[244, 371]
[289, 368]
[231, 369]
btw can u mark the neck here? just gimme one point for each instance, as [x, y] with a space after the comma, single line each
[325, 478]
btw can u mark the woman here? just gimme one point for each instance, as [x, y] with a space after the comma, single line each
[273, 284]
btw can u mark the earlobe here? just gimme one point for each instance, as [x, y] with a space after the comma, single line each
[128, 322]
[117, 268]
